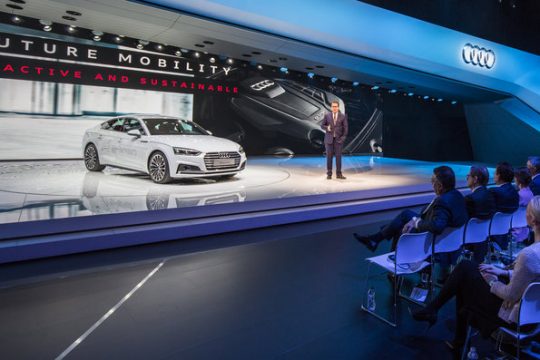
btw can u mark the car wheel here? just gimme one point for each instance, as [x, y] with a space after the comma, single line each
[91, 158]
[158, 168]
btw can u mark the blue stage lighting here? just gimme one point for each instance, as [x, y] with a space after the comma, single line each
[393, 91]
[439, 100]
[284, 70]
[334, 79]
[454, 102]
[426, 97]
[375, 87]
[410, 94]
[310, 75]
[356, 83]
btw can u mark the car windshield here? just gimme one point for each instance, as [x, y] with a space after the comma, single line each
[171, 126]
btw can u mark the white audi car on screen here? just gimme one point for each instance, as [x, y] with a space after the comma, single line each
[163, 147]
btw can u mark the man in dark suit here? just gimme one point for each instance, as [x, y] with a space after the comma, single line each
[336, 126]
[505, 194]
[533, 164]
[447, 209]
[480, 202]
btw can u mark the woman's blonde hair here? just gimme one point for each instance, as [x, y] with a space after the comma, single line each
[534, 207]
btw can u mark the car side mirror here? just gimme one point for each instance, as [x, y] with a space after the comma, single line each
[134, 132]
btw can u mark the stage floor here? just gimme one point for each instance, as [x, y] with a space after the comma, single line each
[44, 190]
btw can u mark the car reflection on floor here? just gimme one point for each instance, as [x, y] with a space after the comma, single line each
[97, 190]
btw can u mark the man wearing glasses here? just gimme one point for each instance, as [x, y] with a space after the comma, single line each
[336, 126]
[447, 209]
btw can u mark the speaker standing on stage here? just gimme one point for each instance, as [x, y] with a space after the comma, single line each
[336, 126]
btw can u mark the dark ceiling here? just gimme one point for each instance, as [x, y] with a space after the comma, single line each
[514, 23]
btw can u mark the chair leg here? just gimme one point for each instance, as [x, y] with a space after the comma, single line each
[518, 350]
[366, 309]
[465, 349]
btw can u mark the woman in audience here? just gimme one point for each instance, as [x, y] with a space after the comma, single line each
[478, 288]
[523, 179]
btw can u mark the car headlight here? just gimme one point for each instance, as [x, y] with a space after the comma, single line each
[184, 151]
[241, 150]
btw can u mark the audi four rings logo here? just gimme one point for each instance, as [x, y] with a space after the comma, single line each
[261, 85]
[224, 155]
[476, 55]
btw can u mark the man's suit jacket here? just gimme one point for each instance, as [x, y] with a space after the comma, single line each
[535, 185]
[506, 198]
[338, 131]
[446, 210]
[480, 203]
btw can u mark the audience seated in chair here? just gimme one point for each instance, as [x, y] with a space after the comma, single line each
[523, 179]
[505, 195]
[480, 204]
[493, 291]
[533, 164]
[447, 209]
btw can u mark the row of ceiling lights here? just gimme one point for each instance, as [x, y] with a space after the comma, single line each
[47, 26]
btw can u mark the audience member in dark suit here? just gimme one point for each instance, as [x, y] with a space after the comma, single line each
[480, 204]
[533, 164]
[506, 196]
[447, 209]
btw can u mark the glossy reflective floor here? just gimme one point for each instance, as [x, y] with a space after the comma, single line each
[43, 190]
[288, 292]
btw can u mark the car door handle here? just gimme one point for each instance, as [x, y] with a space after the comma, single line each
[144, 141]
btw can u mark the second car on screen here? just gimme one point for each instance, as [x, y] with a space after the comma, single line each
[163, 147]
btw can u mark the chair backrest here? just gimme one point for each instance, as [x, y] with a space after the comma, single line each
[519, 218]
[449, 240]
[476, 231]
[412, 248]
[500, 224]
[529, 310]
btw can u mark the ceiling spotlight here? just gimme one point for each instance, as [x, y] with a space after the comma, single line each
[47, 25]
[97, 35]
[159, 47]
[410, 94]
[119, 38]
[212, 60]
[230, 61]
[259, 67]
[178, 53]
[376, 87]
[142, 44]
[197, 54]
[356, 83]
[310, 75]
[334, 79]
[439, 100]
[454, 102]
[393, 91]
[426, 97]
[284, 70]
[71, 29]
[16, 19]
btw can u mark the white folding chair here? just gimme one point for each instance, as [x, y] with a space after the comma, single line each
[519, 220]
[500, 225]
[412, 254]
[450, 240]
[476, 232]
[529, 313]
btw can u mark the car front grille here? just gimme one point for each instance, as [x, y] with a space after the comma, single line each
[221, 160]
